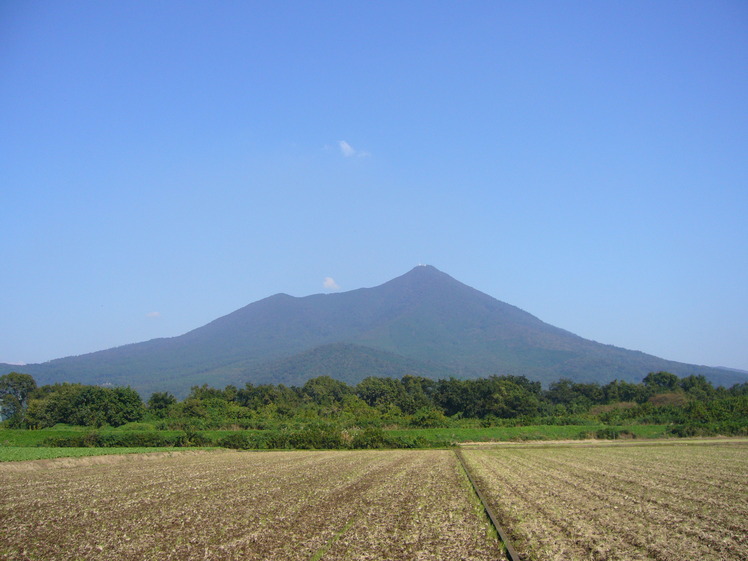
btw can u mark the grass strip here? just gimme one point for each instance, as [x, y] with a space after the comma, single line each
[332, 541]
[22, 454]
[478, 505]
[511, 553]
[527, 433]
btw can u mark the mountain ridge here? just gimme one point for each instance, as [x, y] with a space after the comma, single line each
[422, 322]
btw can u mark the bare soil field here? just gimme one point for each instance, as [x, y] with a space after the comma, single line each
[666, 502]
[244, 505]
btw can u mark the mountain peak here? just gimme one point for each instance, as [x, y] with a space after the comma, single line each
[424, 274]
[423, 268]
[424, 321]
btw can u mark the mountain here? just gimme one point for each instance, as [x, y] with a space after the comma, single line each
[424, 322]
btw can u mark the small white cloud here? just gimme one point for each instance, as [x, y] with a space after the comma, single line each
[349, 151]
[346, 149]
[153, 315]
[330, 284]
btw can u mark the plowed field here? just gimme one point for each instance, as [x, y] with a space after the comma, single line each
[669, 503]
[243, 505]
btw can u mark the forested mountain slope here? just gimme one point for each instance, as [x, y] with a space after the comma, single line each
[424, 322]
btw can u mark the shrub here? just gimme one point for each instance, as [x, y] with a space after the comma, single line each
[137, 426]
[135, 439]
[139, 439]
[607, 433]
[192, 438]
[243, 441]
[317, 438]
[735, 428]
[370, 437]
[82, 440]
[673, 399]
[428, 418]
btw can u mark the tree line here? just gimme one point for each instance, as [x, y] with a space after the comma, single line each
[412, 401]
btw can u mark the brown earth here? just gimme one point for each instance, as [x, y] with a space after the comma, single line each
[669, 503]
[244, 505]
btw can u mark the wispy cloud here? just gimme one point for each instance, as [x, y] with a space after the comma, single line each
[346, 149]
[153, 315]
[330, 284]
[349, 151]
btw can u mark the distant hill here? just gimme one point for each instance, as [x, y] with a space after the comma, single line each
[424, 322]
[738, 370]
[345, 362]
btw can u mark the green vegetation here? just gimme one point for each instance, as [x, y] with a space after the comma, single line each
[534, 432]
[18, 454]
[411, 412]
[15, 389]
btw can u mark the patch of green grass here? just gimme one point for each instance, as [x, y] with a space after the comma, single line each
[10, 438]
[22, 437]
[538, 432]
[23, 453]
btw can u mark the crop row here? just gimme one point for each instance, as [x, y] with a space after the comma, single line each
[571, 502]
[246, 505]
[648, 502]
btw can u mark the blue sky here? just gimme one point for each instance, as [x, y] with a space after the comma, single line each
[165, 163]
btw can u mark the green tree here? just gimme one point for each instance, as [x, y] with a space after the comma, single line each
[428, 418]
[661, 381]
[456, 396]
[277, 401]
[15, 390]
[419, 392]
[324, 390]
[697, 387]
[160, 402]
[206, 392]
[125, 406]
[97, 406]
[381, 392]
[618, 391]
[77, 404]
[561, 392]
[52, 404]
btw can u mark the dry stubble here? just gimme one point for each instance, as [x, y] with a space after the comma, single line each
[646, 502]
[241, 505]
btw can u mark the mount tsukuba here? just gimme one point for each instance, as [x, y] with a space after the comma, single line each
[424, 323]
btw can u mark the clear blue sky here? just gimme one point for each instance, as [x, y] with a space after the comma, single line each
[165, 163]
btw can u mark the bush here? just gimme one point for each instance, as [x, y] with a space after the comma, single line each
[318, 438]
[735, 428]
[134, 440]
[612, 433]
[139, 439]
[83, 440]
[689, 430]
[137, 426]
[243, 441]
[607, 433]
[428, 418]
[192, 438]
[370, 437]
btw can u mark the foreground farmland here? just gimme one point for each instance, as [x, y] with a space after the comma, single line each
[241, 505]
[665, 502]
[583, 501]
